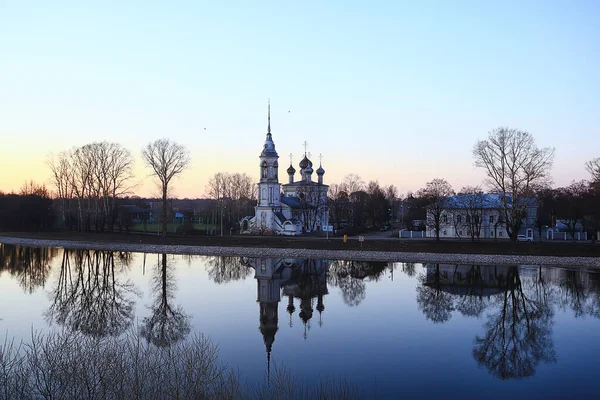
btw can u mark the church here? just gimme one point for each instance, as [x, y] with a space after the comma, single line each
[287, 209]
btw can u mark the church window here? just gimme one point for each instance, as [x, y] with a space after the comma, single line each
[459, 219]
[264, 169]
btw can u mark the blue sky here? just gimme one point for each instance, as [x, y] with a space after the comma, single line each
[390, 90]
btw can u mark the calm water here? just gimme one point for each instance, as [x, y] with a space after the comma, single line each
[393, 329]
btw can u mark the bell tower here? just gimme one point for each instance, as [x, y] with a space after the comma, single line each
[269, 188]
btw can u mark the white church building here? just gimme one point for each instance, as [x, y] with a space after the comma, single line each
[287, 209]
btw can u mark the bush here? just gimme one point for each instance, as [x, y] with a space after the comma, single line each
[69, 365]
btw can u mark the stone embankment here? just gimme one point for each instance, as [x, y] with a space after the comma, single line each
[445, 258]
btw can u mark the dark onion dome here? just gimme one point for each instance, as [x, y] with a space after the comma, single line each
[320, 170]
[305, 162]
[308, 170]
[291, 170]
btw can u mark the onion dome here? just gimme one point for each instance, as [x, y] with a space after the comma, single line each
[308, 170]
[320, 170]
[291, 170]
[305, 162]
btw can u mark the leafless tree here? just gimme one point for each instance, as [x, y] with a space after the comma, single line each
[167, 160]
[235, 191]
[391, 194]
[313, 201]
[338, 203]
[35, 189]
[471, 201]
[352, 183]
[514, 166]
[593, 167]
[95, 175]
[436, 193]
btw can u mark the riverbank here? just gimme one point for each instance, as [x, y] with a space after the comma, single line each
[391, 250]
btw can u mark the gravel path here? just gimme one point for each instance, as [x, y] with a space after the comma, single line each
[477, 259]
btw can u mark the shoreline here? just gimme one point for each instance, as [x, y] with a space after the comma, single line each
[359, 255]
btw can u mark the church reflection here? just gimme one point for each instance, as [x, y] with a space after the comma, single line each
[303, 282]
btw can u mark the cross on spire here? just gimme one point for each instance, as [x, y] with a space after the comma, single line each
[320, 159]
[290, 158]
[305, 144]
[309, 154]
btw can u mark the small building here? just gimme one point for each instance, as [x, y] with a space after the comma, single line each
[485, 216]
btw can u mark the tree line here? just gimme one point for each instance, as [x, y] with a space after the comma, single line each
[90, 182]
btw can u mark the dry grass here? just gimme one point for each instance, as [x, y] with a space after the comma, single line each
[74, 366]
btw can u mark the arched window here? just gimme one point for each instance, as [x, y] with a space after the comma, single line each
[264, 169]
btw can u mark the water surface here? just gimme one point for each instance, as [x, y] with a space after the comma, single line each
[393, 329]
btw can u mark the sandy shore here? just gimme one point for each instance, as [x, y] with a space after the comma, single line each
[362, 255]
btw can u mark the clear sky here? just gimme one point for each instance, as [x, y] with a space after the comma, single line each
[390, 90]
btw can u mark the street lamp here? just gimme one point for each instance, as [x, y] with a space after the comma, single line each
[327, 222]
[222, 209]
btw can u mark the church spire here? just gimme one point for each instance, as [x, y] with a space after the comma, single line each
[269, 119]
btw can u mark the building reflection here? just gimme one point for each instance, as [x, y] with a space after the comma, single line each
[301, 281]
[518, 303]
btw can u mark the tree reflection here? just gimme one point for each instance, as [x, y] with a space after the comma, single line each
[573, 292]
[519, 336]
[436, 304]
[89, 297]
[167, 324]
[29, 266]
[410, 269]
[349, 276]
[222, 269]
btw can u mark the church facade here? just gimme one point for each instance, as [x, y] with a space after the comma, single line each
[287, 209]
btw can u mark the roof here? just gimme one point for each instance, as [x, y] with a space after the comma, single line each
[488, 200]
[304, 183]
[281, 217]
[135, 209]
[292, 202]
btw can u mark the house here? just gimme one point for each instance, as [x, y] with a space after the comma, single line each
[138, 214]
[481, 216]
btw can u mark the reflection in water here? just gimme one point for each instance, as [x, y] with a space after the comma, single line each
[350, 277]
[167, 324]
[30, 266]
[305, 281]
[89, 297]
[518, 331]
[222, 269]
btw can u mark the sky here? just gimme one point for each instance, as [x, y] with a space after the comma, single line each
[393, 91]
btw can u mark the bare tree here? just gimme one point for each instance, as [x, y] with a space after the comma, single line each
[352, 183]
[167, 160]
[391, 194]
[593, 167]
[436, 193]
[338, 204]
[471, 200]
[313, 201]
[514, 166]
[35, 189]
[234, 191]
[95, 175]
